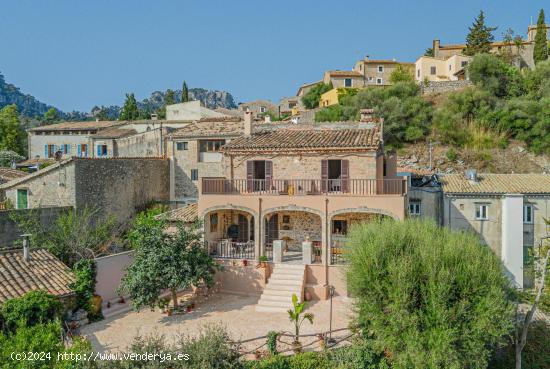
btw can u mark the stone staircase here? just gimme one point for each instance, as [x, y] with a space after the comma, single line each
[286, 280]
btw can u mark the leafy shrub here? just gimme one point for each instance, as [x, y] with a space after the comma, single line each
[451, 154]
[432, 298]
[7, 157]
[33, 308]
[84, 286]
[313, 96]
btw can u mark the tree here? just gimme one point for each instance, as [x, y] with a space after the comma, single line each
[429, 52]
[12, 135]
[523, 328]
[430, 297]
[51, 116]
[165, 261]
[313, 96]
[480, 37]
[540, 51]
[510, 41]
[496, 76]
[401, 74]
[184, 93]
[296, 317]
[33, 308]
[8, 157]
[169, 97]
[130, 109]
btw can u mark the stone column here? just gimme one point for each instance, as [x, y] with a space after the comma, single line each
[257, 240]
[307, 252]
[325, 247]
[278, 247]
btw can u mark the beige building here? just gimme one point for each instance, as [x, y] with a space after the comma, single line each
[190, 111]
[344, 79]
[378, 72]
[441, 69]
[507, 211]
[259, 107]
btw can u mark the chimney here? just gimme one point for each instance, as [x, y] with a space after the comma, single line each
[26, 246]
[435, 47]
[247, 123]
[154, 117]
[367, 115]
[471, 175]
[97, 119]
[267, 119]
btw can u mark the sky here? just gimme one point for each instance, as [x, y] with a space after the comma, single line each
[77, 54]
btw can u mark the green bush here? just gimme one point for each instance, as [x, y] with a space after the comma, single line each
[451, 154]
[84, 286]
[33, 308]
[313, 96]
[432, 298]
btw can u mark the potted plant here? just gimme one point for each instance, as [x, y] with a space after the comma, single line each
[245, 262]
[263, 261]
[297, 317]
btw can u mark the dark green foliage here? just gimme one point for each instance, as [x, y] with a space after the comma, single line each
[451, 154]
[84, 286]
[130, 109]
[184, 93]
[431, 298]
[496, 76]
[540, 51]
[33, 308]
[12, 135]
[429, 52]
[479, 37]
[272, 342]
[169, 97]
[51, 116]
[313, 96]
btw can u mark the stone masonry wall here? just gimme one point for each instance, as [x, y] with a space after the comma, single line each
[435, 87]
[121, 186]
[300, 226]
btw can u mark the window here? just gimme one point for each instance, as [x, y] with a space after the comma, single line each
[380, 68]
[414, 208]
[181, 146]
[22, 201]
[347, 82]
[194, 174]
[292, 105]
[432, 71]
[101, 150]
[463, 63]
[66, 149]
[211, 145]
[339, 227]
[214, 222]
[418, 73]
[49, 151]
[528, 213]
[450, 67]
[371, 79]
[262, 109]
[82, 150]
[482, 212]
[379, 81]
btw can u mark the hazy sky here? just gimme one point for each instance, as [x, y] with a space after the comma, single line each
[77, 54]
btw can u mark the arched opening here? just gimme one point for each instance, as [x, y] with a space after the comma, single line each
[293, 227]
[340, 225]
[229, 233]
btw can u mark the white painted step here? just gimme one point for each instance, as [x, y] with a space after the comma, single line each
[285, 281]
[270, 309]
[279, 298]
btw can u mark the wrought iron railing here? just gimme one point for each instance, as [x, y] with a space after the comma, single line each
[225, 249]
[296, 187]
[337, 250]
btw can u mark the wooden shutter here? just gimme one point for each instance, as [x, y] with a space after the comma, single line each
[45, 151]
[268, 174]
[324, 175]
[250, 176]
[79, 150]
[345, 175]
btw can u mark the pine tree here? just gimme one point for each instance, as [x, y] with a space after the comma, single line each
[540, 51]
[480, 36]
[169, 98]
[130, 109]
[12, 136]
[184, 93]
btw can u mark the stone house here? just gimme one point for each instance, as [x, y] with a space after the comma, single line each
[299, 188]
[290, 105]
[190, 111]
[259, 107]
[507, 211]
[117, 186]
[378, 71]
[441, 69]
[344, 79]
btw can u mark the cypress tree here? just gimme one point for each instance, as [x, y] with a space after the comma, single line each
[540, 51]
[169, 98]
[480, 36]
[184, 93]
[130, 109]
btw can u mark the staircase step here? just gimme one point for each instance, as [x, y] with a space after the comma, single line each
[270, 309]
[281, 293]
[284, 304]
[290, 273]
[285, 280]
[290, 266]
[280, 298]
[289, 282]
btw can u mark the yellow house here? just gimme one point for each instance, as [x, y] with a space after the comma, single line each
[332, 97]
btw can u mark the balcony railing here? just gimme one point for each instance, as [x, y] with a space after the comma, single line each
[297, 187]
[225, 249]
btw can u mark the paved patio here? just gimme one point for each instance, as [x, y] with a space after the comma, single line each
[237, 313]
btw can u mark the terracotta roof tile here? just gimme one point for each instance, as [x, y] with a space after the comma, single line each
[77, 126]
[7, 174]
[306, 139]
[344, 73]
[42, 272]
[114, 132]
[186, 214]
[214, 127]
[496, 184]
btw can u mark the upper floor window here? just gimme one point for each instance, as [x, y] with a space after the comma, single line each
[291, 105]
[101, 150]
[414, 208]
[211, 145]
[380, 68]
[528, 213]
[347, 82]
[194, 174]
[432, 71]
[418, 73]
[181, 146]
[82, 150]
[450, 67]
[463, 63]
[482, 212]
[262, 109]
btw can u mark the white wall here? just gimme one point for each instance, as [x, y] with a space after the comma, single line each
[512, 237]
[110, 271]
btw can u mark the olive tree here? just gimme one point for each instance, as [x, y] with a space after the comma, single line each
[430, 297]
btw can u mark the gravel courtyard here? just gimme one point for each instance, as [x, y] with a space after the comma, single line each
[237, 313]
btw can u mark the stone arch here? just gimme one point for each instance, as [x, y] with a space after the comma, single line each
[228, 207]
[293, 208]
[363, 209]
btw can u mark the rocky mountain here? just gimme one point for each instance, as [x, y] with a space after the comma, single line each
[212, 99]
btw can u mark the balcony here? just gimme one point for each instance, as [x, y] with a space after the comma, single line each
[303, 187]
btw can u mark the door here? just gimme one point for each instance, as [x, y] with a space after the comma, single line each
[271, 230]
[22, 202]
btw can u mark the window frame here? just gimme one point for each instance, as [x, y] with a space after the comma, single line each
[379, 81]
[531, 214]
[17, 192]
[194, 174]
[211, 145]
[184, 146]
[380, 69]
[415, 204]
[346, 82]
[433, 70]
[479, 214]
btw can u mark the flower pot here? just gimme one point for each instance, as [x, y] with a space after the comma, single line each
[95, 303]
[257, 355]
[263, 264]
[297, 346]
[245, 262]
[322, 342]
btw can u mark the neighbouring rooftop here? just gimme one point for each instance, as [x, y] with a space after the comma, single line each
[42, 271]
[77, 126]
[185, 214]
[8, 174]
[212, 127]
[496, 184]
[114, 132]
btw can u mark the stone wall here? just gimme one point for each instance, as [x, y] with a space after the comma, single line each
[9, 232]
[299, 226]
[146, 144]
[435, 87]
[121, 186]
